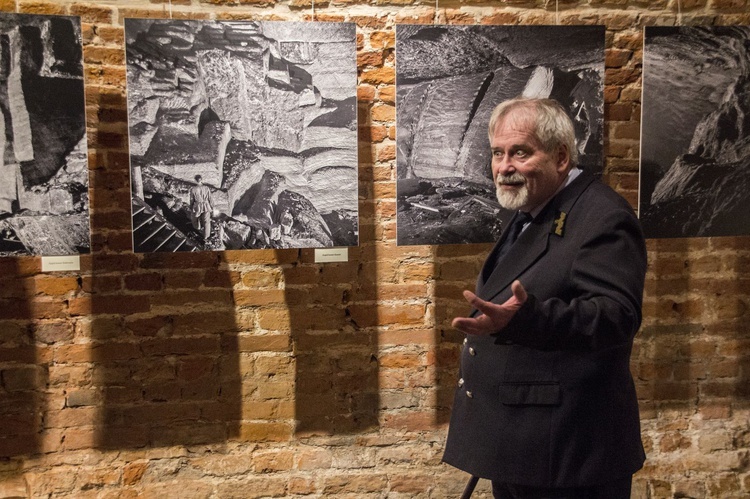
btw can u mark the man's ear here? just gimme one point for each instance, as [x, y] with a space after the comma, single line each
[563, 158]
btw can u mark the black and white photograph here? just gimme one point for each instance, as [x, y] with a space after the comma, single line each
[44, 178]
[695, 132]
[449, 79]
[243, 134]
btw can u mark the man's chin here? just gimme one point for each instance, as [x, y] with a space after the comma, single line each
[510, 200]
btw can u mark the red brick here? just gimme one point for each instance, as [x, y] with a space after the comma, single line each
[375, 133]
[53, 332]
[108, 304]
[265, 432]
[215, 297]
[379, 76]
[261, 257]
[263, 343]
[93, 54]
[92, 14]
[204, 323]
[369, 58]
[142, 13]
[180, 346]
[101, 283]
[215, 278]
[455, 16]
[252, 297]
[149, 326]
[387, 94]
[39, 308]
[194, 260]
[349, 484]
[41, 8]
[143, 282]
[133, 472]
[371, 22]
[372, 315]
[188, 279]
[55, 285]
[501, 18]
[365, 93]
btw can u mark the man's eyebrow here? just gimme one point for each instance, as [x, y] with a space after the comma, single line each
[511, 147]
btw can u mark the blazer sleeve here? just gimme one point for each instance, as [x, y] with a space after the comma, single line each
[600, 305]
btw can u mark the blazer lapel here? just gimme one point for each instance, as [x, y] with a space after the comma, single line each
[532, 243]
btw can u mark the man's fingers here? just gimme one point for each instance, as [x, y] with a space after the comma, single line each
[468, 326]
[483, 306]
[519, 291]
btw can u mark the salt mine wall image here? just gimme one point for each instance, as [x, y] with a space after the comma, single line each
[695, 132]
[449, 79]
[44, 180]
[242, 134]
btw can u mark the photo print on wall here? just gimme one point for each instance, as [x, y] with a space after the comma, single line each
[243, 135]
[695, 132]
[449, 79]
[44, 178]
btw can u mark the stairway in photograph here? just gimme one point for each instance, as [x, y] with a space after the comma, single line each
[152, 232]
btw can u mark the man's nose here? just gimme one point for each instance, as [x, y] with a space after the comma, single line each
[503, 166]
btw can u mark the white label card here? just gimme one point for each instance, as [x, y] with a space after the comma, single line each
[61, 263]
[323, 255]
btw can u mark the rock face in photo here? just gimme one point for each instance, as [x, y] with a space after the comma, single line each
[449, 79]
[264, 112]
[44, 202]
[695, 157]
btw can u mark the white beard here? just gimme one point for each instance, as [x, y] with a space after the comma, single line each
[512, 199]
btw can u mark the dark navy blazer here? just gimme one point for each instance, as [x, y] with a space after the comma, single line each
[549, 400]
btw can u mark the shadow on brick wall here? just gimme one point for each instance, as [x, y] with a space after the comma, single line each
[456, 269]
[164, 350]
[23, 372]
[692, 351]
[333, 318]
[159, 334]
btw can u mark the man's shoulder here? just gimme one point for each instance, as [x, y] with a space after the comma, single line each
[603, 196]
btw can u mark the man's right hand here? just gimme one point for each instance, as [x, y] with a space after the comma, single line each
[493, 317]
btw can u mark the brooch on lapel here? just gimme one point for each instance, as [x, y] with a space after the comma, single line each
[559, 224]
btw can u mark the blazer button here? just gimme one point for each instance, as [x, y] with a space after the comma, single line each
[461, 382]
[466, 340]
[469, 394]
[472, 352]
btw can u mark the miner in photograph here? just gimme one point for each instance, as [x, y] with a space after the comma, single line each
[545, 405]
[201, 207]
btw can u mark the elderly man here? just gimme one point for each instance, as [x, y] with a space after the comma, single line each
[546, 405]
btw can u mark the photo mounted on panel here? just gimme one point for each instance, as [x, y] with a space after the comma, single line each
[695, 132]
[449, 79]
[44, 177]
[243, 135]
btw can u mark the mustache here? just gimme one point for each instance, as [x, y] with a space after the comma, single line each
[515, 178]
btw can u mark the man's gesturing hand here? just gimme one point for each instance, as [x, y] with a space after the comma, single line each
[493, 317]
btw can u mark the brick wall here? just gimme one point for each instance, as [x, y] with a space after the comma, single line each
[262, 373]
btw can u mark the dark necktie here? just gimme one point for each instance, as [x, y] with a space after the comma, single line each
[522, 218]
[514, 230]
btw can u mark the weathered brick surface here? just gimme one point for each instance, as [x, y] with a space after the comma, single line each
[264, 374]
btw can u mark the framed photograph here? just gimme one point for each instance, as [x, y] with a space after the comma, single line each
[449, 79]
[44, 177]
[243, 134]
[695, 133]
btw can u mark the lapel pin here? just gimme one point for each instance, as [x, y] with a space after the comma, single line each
[559, 224]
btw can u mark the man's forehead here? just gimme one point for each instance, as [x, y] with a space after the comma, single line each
[514, 134]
